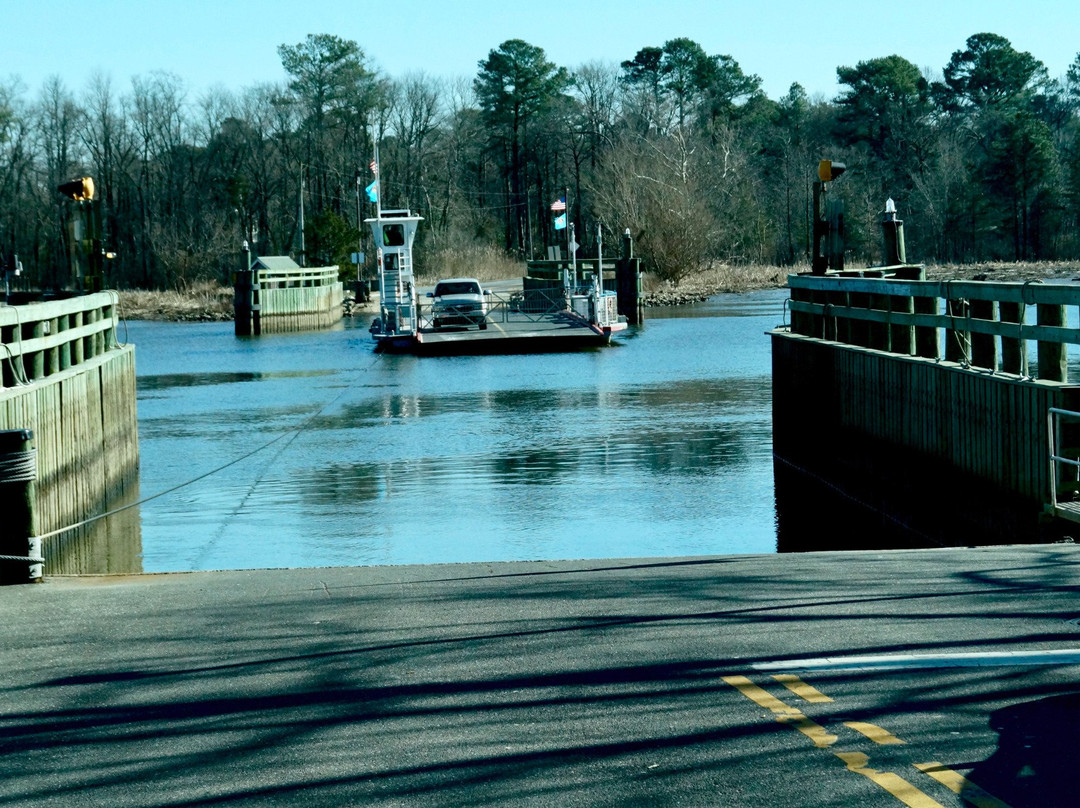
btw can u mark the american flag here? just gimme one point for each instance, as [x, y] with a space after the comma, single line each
[374, 168]
[559, 204]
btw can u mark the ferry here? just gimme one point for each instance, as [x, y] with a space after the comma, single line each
[565, 316]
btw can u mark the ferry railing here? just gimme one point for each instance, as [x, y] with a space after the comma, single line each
[538, 305]
[532, 306]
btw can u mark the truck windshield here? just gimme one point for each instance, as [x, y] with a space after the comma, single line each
[459, 288]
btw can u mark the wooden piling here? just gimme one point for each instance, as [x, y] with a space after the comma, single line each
[984, 353]
[628, 283]
[1013, 349]
[242, 302]
[18, 472]
[1052, 355]
[902, 338]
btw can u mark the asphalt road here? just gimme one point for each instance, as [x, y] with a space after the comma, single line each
[875, 679]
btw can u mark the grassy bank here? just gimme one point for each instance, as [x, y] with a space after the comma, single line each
[203, 302]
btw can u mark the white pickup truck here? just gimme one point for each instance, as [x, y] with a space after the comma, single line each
[459, 301]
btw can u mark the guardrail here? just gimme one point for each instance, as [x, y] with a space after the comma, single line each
[297, 278]
[38, 340]
[974, 323]
[535, 305]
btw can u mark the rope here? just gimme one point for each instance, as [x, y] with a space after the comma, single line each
[898, 522]
[18, 467]
[964, 343]
[24, 559]
[21, 379]
[1024, 293]
[116, 321]
[159, 494]
[18, 375]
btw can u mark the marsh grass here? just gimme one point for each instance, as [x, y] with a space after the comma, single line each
[483, 263]
[204, 301]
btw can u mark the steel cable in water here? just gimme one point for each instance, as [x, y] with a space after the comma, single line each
[292, 433]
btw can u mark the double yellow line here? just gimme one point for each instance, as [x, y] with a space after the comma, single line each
[857, 761]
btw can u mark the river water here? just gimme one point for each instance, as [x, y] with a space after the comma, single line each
[659, 445]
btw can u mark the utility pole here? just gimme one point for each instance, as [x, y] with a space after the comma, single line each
[360, 232]
[303, 249]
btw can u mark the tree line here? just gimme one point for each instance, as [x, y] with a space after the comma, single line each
[680, 147]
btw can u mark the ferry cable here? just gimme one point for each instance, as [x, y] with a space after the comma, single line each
[895, 520]
[259, 478]
[292, 433]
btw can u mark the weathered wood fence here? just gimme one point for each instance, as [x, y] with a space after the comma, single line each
[941, 392]
[276, 300]
[66, 379]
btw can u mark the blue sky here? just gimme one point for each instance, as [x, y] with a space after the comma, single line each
[234, 43]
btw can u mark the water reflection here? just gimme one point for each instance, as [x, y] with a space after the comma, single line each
[165, 381]
[112, 545]
[660, 447]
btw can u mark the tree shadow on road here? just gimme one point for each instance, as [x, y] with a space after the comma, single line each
[1034, 764]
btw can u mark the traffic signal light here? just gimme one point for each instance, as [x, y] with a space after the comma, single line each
[81, 190]
[829, 170]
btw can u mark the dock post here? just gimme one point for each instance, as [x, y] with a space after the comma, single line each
[879, 335]
[984, 353]
[1013, 349]
[1052, 357]
[18, 528]
[628, 283]
[927, 338]
[242, 288]
[902, 337]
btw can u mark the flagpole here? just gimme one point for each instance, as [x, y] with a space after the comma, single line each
[566, 212]
[569, 241]
[378, 182]
[599, 258]
[573, 258]
[303, 247]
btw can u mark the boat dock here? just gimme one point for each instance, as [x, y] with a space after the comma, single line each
[945, 406]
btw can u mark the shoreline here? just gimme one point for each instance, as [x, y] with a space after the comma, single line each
[211, 303]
